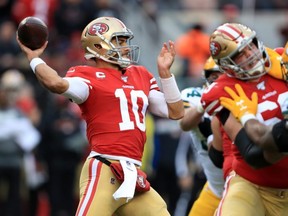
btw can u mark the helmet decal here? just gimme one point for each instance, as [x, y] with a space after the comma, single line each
[101, 28]
[215, 48]
[231, 32]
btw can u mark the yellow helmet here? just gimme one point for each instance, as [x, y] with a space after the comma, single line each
[96, 41]
[230, 39]
[210, 67]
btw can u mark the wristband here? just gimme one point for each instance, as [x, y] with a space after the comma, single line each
[246, 117]
[35, 62]
[170, 89]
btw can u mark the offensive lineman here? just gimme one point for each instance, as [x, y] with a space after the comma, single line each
[272, 138]
[255, 186]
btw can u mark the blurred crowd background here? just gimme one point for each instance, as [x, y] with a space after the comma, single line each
[44, 179]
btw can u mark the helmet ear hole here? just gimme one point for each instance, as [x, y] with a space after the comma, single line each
[97, 46]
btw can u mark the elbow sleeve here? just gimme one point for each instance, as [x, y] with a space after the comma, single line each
[251, 153]
[216, 157]
[280, 135]
[205, 127]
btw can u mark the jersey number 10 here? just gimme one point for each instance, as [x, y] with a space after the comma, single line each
[126, 123]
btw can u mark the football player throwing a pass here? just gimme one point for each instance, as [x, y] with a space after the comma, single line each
[114, 95]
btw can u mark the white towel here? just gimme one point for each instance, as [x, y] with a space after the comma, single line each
[127, 188]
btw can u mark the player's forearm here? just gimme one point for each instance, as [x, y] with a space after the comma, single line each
[260, 134]
[176, 110]
[50, 79]
[272, 156]
[191, 119]
[173, 97]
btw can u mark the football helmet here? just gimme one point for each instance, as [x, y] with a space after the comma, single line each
[210, 67]
[227, 41]
[97, 38]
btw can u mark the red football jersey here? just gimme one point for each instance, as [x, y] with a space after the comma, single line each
[227, 153]
[115, 109]
[272, 97]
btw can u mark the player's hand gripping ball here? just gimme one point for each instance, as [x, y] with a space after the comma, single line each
[32, 32]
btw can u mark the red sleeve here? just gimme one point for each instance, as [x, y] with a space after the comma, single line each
[210, 97]
[279, 50]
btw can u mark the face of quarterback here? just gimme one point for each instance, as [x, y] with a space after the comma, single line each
[122, 44]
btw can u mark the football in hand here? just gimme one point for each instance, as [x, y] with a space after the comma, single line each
[32, 32]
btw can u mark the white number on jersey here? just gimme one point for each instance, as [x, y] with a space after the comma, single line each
[126, 123]
[266, 106]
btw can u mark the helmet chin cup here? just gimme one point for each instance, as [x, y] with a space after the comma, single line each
[124, 62]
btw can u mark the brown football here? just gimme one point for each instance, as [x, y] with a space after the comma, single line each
[32, 32]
